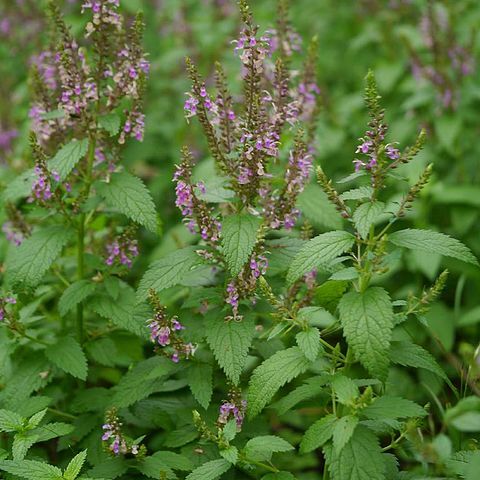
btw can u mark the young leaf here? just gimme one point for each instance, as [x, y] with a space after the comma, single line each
[110, 123]
[168, 271]
[360, 459]
[309, 342]
[343, 430]
[365, 216]
[31, 470]
[318, 434]
[73, 469]
[67, 157]
[432, 242]
[29, 262]
[76, 293]
[10, 421]
[129, 195]
[200, 381]
[367, 321]
[21, 443]
[260, 449]
[273, 373]
[68, 355]
[210, 470]
[345, 389]
[230, 342]
[392, 407]
[239, 235]
[319, 251]
[230, 454]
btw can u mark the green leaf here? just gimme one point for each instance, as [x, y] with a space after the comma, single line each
[359, 193]
[31, 470]
[210, 470]
[19, 187]
[129, 195]
[76, 293]
[318, 434]
[345, 389]
[366, 215]
[200, 381]
[174, 460]
[260, 449]
[110, 123]
[309, 342]
[317, 208]
[319, 251]
[21, 443]
[360, 459]
[10, 421]
[343, 430]
[239, 235]
[392, 407]
[367, 320]
[29, 262]
[155, 467]
[473, 467]
[230, 454]
[168, 271]
[432, 242]
[75, 466]
[229, 431]
[272, 374]
[52, 430]
[279, 476]
[67, 157]
[68, 355]
[230, 342]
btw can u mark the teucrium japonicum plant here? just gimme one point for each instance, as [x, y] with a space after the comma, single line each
[257, 316]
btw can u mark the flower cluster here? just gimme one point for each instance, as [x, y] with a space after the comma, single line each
[16, 229]
[116, 442]
[122, 250]
[4, 301]
[164, 331]
[234, 408]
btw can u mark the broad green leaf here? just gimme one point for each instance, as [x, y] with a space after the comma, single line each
[21, 443]
[31, 470]
[473, 468]
[343, 430]
[67, 157]
[229, 431]
[37, 418]
[230, 454]
[459, 461]
[272, 374]
[318, 434]
[345, 389]
[230, 342]
[282, 252]
[319, 251]
[261, 449]
[19, 187]
[129, 195]
[68, 355]
[52, 430]
[29, 262]
[75, 466]
[359, 193]
[360, 459]
[200, 381]
[10, 421]
[239, 235]
[110, 123]
[76, 293]
[392, 407]
[367, 321]
[168, 271]
[309, 342]
[429, 241]
[174, 460]
[210, 470]
[366, 215]
[154, 467]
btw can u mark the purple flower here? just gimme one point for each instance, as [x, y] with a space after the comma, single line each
[392, 152]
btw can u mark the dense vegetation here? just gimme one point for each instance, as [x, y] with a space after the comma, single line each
[239, 244]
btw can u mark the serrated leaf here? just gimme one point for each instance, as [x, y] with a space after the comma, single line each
[29, 262]
[174, 460]
[74, 294]
[210, 470]
[343, 430]
[68, 355]
[52, 430]
[309, 342]
[319, 251]
[317, 208]
[359, 193]
[37, 418]
[318, 434]
[67, 157]
[230, 342]
[239, 235]
[365, 216]
[360, 459]
[154, 467]
[229, 431]
[392, 407]
[262, 448]
[75, 466]
[19, 187]
[367, 321]
[21, 443]
[31, 470]
[432, 242]
[168, 271]
[129, 195]
[110, 123]
[345, 389]
[10, 421]
[200, 381]
[230, 454]
[272, 374]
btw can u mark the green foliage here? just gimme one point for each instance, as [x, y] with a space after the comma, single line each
[260, 449]
[67, 157]
[68, 355]
[210, 470]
